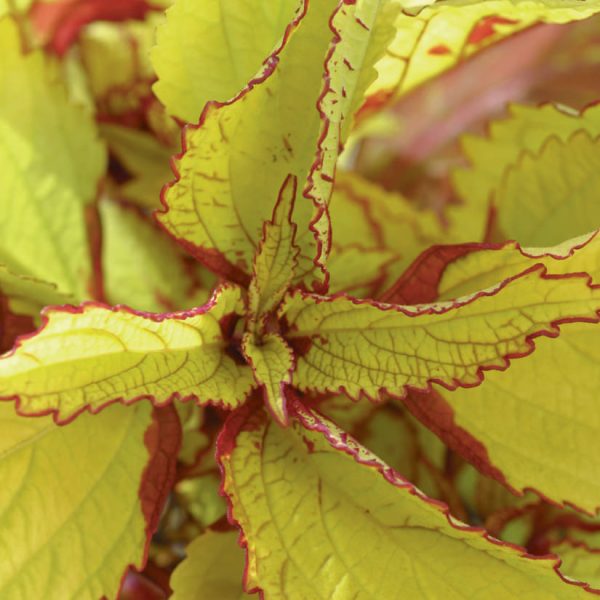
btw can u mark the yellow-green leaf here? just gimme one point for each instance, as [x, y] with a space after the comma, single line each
[27, 295]
[363, 31]
[579, 562]
[213, 568]
[146, 160]
[546, 198]
[116, 59]
[527, 130]
[482, 268]
[142, 267]
[200, 496]
[72, 515]
[52, 162]
[277, 255]
[90, 356]
[538, 421]
[324, 518]
[362, 347]
[223, 196]
[432, 37]
[272, 361]
[210, 50]
[376, 234]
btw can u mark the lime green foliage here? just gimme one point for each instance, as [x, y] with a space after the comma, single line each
[71, 516]
[95, 355]
[52, 164]
[142, 268]
[356, 516]
[366, 348]
[528, 137]
[211, 568]
[330, 369]
[210, 51]
[276, 258]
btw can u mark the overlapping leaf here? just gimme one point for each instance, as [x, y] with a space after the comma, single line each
[323, 518]
[256, 140]
[210, 51]
[432, 37]
[376, 234]
[142, 268]
[521, 421]
[52, 163]
[145, 159]
[579, 562]
[90, 356]
[213, 568]
[223, 196]
[362, 347]
[79, 503]
[525, 139]
[276, 257]
[272, 361]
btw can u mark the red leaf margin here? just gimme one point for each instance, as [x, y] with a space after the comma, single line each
[80, 309]
[163, 441]
[212, 258]
[420, 283]
[249, 418]
[300, 343]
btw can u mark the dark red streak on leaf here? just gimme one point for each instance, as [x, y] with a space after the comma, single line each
[487, 27]
[439, 50]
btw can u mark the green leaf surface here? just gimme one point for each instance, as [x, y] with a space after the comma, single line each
[210, 50]
[362, 347]
[52, 163]
[93, 355]
[272, 361]
[529, 136]
[213, 568]
[78, 504]
[276, 257]
[142, 267]
[324, 518]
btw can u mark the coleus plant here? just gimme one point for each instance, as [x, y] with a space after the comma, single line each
[291, 308]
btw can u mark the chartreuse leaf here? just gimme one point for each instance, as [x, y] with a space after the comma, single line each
[146, 160]
[324, 518]
[142, 267]
[78, 504]
[272, 361]
[26, 295]
[481, 268]
[362, 347]
[363, 31]
[89, 356]
[433, 37]
[210, 51]
[222, 198]
[528, 135]
[544, 403]
[213, 568]
[116, 57]
[376, 234]
[276, 257]
[257, 139]
[200, 496]
[52, 162]
[546, 198]
[579, 562]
